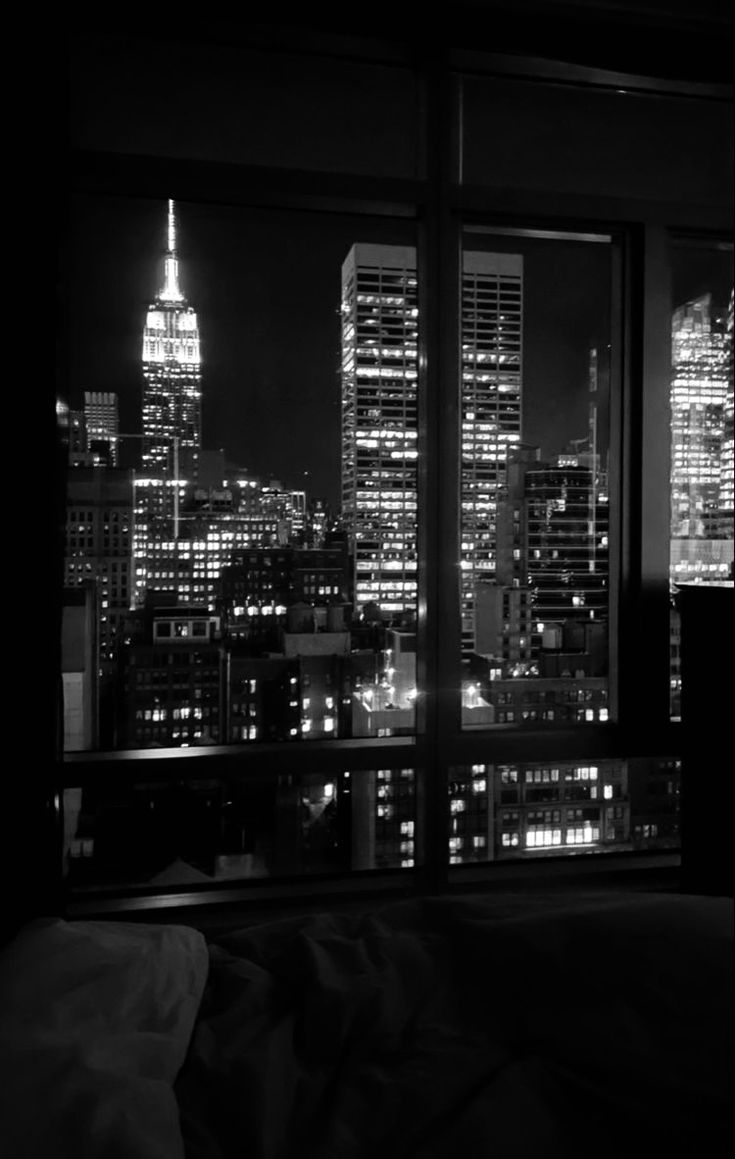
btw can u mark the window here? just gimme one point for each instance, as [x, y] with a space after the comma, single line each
[701, 468]
[535, 474]
[225, 535]
[216, 830]
[433, 603]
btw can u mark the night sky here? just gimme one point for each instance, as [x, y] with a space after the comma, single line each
[702, 269]
[266, 288]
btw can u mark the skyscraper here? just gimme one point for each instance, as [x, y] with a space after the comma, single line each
[99, 541]
[492, 354]
[379, 417]
[551, 539]
[172, 406]
[699, 391]
[379, 423]
[727, 462]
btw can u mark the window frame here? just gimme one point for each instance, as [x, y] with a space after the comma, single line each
[440, 205]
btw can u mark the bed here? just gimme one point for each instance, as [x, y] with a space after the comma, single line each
[455, 1026]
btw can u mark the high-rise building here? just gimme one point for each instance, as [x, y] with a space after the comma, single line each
[102, 422]
[553, 536]
[492, 372]
[379, 423]
[699, 391]
[99, 548]
[172, 397]
[185, 534]
[258, 586]
[172, 675]
[379, 417]
[545, 613]
[727, 461]
[382, 810]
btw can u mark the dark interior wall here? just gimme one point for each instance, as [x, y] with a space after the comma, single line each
[666, 38]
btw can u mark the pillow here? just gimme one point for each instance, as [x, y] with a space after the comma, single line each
[95, 1022]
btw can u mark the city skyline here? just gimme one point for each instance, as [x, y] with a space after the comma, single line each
[274, 406]
[187, 532]
[238, 624]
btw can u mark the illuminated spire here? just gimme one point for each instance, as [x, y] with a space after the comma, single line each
[171, 291]
[171, 227]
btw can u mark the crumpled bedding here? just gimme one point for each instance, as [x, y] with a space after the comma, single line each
[95, 1022]
[514, 1026]
[468, 1027]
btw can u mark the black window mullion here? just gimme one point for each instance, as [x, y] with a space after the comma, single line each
[644, 670]
[238, 763]
[619, 524]
[439, 624]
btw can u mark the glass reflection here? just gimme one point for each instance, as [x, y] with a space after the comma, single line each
[204, 831]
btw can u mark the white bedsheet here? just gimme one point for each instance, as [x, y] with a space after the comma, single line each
[95, 1022]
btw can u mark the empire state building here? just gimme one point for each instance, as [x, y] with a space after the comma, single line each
[172, 397]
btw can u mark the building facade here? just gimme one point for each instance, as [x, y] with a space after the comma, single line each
[727, 461]
[553, 537]
[699, 396]
[172, 400]
[492, 376]
[172, 676]
[379, 423]
[99, 547]
[379, 408]
[102, 422]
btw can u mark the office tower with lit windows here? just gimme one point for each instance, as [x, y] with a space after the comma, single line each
[727, 462]
[545, 615]
[553, 536]
[382, 814]
[492, 375]
[99, 548]
[102, 422]
[379, 415]
[560, 809]
[172, 676]
[258, 586]
[185, 534]
[379, 423]
[172, 397]
[699, 395]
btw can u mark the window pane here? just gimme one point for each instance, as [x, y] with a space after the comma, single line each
[569, 139]
[206, 831]
[531, 810]
[209, 102]
[242, 486]
[701, 428]
[535, 479]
